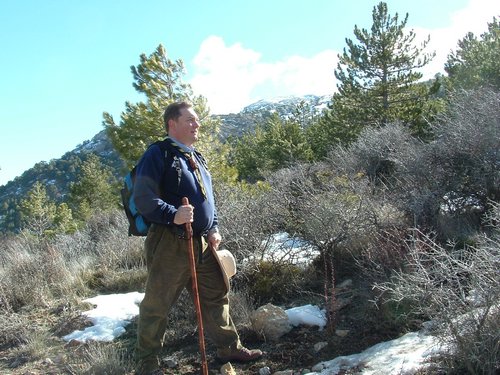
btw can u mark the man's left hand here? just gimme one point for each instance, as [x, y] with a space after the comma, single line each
[214, 240]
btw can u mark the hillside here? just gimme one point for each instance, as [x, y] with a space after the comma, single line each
[57, 174]
[235, 124]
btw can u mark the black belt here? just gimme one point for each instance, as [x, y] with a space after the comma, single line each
[180, 232]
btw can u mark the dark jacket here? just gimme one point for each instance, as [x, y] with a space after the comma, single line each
[159, 188]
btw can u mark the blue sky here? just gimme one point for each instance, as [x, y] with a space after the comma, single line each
[65, 62]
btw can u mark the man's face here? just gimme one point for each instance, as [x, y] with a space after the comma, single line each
[185, 128]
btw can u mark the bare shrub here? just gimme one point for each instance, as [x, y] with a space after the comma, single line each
[247, 215]
[102, 254]
[108, 234]
[13, 330]
[37, 272]
[102, 358]
[32, 275]
[445, 184]
[468, 141]
[329, 207]
[450, 181]
[35, 346]
[381, 153]
[242, 306]
[237, 213]
[384, 255]
[333, 210]
[275, 283]
[459, 289]
[249, 218]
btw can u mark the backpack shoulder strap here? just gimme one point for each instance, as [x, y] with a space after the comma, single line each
[170, 152]
[202, 159]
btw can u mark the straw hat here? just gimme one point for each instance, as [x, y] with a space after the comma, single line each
[227, 264]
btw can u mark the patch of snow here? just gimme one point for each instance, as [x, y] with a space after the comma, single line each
[405, 355]
[111, 315]
[307, 315]
[281, 247]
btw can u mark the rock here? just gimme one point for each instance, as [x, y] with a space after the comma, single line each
[170, 362]
[47, 362]
[342, 332]
[227, 369]
[340, 303]
[271, 322]
[74, 343]
[265, 371]
[320, 345]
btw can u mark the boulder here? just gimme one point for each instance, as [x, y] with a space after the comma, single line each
[271, 322]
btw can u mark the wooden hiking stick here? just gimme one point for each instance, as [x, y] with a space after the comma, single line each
[196, 295]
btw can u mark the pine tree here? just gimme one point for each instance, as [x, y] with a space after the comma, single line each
[93, 190]
[273, 145]
[10, 217]
[378, 82]
[477, 61]
[63, 219]
[37, 211]
[160, 80]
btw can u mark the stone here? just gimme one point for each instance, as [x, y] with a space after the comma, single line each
[342, 332]
[340, 303]
[170, 362]
[320, 345]
[227, 369]
[271, 322]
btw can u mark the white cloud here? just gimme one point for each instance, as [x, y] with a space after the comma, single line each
[231, 77]
[473, 18]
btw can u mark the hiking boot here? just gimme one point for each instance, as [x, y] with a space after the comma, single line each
[238, 354]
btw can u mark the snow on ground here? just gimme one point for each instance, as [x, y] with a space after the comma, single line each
[111, 315]
[403, 356]
[400, 356]
[281, 247]
[308, 315]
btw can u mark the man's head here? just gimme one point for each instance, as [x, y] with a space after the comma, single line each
[182, 122]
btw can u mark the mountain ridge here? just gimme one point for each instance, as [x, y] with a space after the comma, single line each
[58, 173]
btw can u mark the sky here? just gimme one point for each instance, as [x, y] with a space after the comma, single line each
[65, 63]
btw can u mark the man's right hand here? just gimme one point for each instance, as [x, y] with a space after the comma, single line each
[184, 214]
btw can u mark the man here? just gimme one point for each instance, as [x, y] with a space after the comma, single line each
[161, 183]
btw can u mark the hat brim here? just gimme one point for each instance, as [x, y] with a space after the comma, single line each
[227, 264]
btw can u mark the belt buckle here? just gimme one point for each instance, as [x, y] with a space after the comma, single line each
[181, 233]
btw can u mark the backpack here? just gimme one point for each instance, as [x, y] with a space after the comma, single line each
[138, 225]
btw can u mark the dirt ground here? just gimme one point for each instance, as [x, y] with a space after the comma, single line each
[293, 352]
